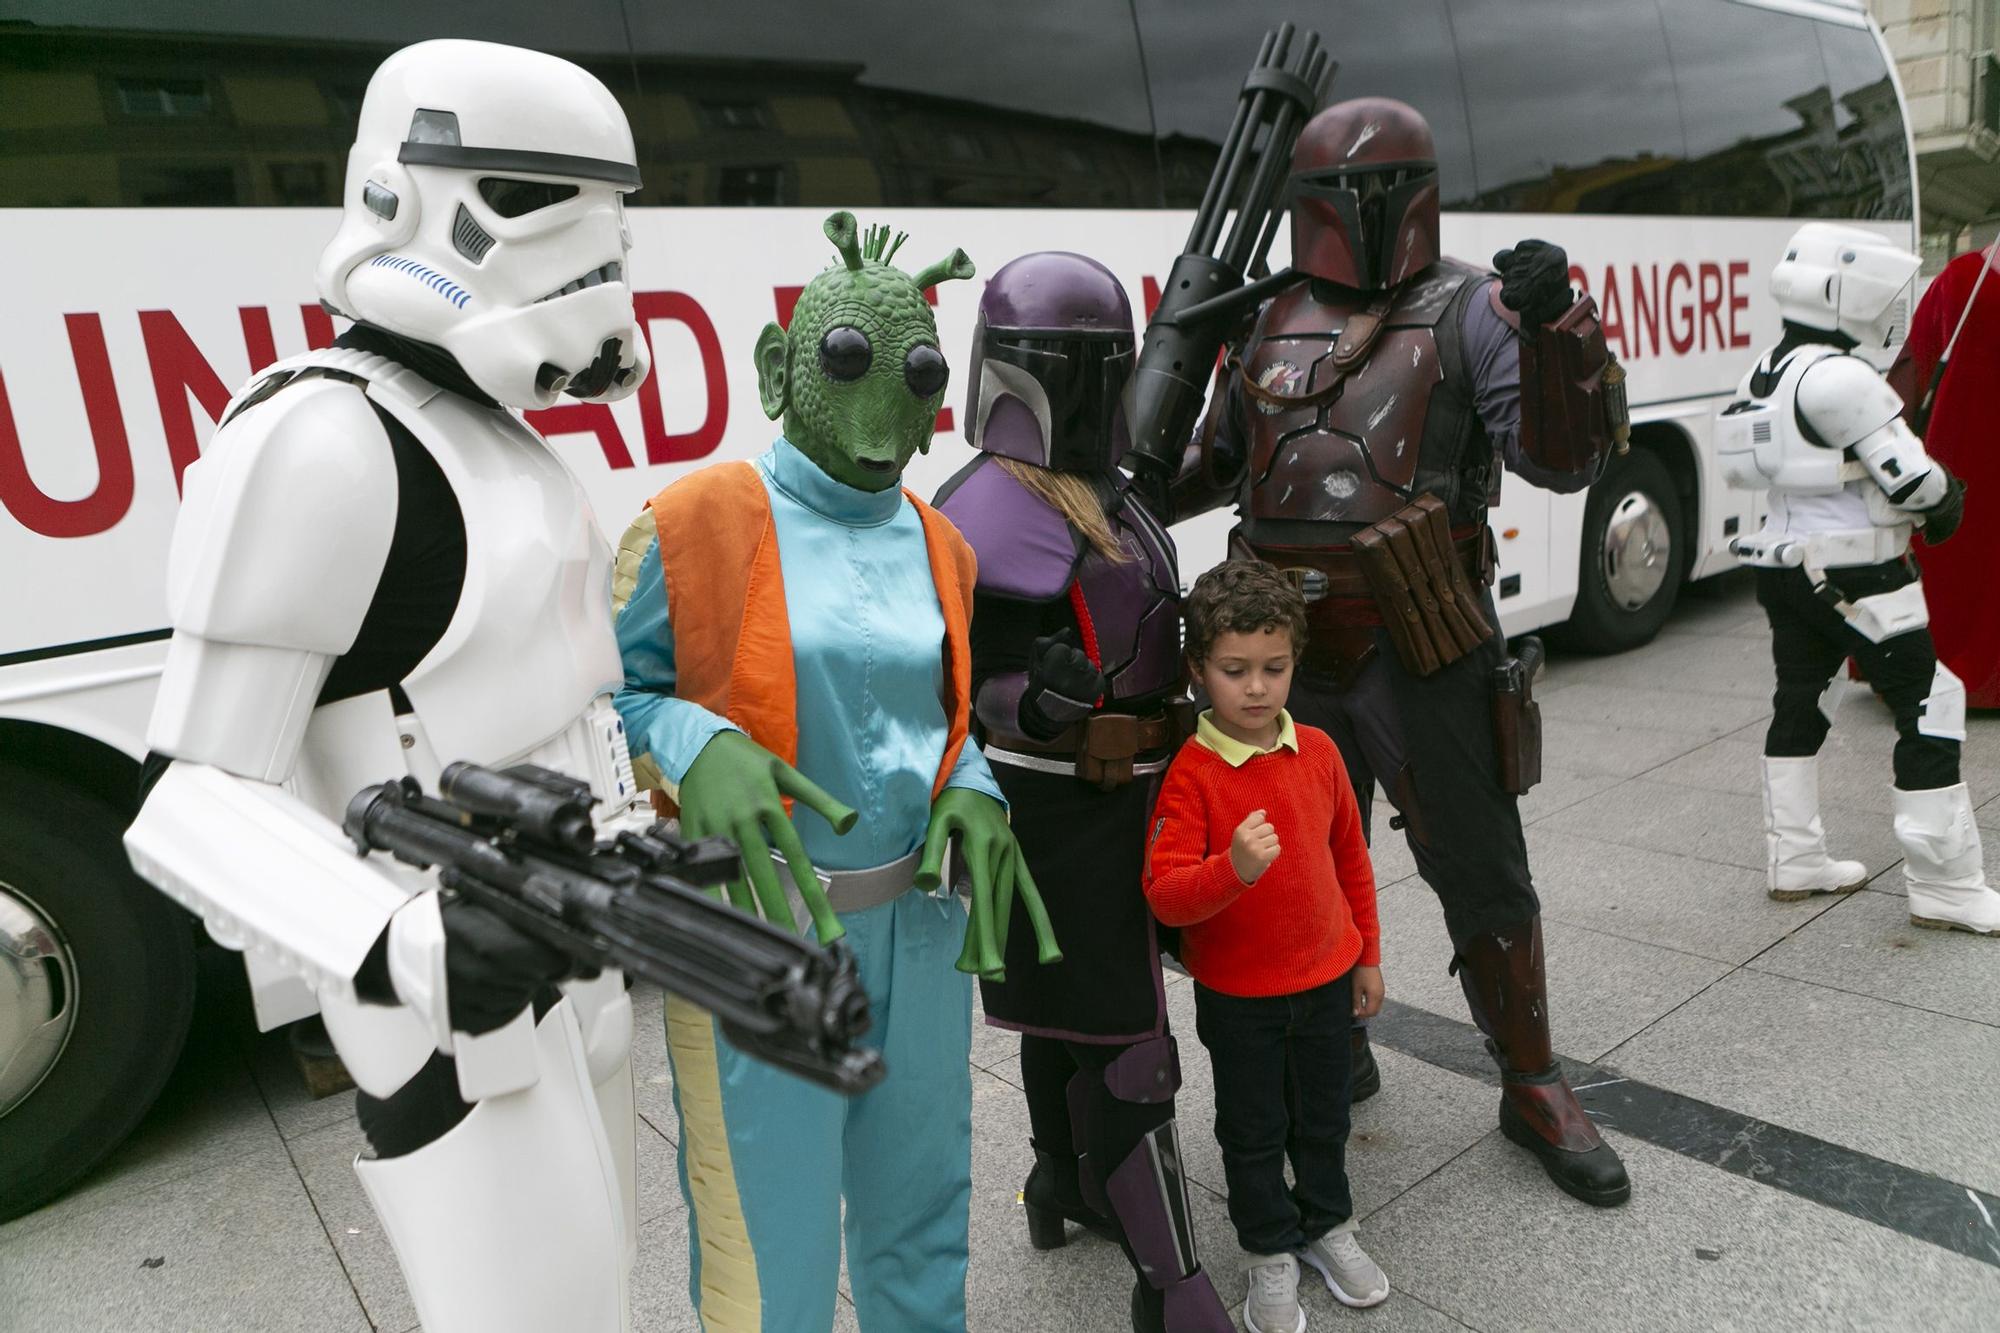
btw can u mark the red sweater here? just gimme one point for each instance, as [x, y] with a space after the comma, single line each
[1310, 916]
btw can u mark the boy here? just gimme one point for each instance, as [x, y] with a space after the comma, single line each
[1257, 854]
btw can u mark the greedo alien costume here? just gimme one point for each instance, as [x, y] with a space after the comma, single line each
[1849, 483]
[804, 609]
[1369, 406]
[443, 601]
[1076, 659]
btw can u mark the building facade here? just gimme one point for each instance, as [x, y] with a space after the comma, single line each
[1945, 52]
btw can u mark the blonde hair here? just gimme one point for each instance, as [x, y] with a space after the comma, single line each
[1072, 495]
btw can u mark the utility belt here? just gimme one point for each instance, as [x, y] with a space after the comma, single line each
[1103, 749]
[854, 890]
[1822, 550]
[1412, 574]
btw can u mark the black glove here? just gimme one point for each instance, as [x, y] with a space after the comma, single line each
[1063, 685]
[492, 969]
[1942, 519]
[1534, 281]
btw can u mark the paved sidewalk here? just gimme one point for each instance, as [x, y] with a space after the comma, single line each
[1807, 1095]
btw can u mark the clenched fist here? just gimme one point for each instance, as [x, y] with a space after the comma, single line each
[1253, 847]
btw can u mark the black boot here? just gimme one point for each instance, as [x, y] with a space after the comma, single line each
[1052, 1196]
[1504, 984]
[1365, 1075]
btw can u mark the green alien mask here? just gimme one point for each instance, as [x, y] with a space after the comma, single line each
[859, 377]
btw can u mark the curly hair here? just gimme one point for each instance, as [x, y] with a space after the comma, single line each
[1242, 597]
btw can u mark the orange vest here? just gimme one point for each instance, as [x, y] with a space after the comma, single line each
[726, 604]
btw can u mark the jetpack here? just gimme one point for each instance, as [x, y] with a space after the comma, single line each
[1208, 287]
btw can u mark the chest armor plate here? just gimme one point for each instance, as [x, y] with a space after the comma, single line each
[1135, 607]
[1359, 455]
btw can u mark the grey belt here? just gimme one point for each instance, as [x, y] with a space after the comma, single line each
[854, 890]
[1042, 763]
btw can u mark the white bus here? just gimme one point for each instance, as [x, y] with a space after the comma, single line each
[169, 171]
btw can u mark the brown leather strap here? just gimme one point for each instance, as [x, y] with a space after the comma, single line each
[1154, 732]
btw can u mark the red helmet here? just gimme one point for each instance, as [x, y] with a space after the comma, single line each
[1365, 194]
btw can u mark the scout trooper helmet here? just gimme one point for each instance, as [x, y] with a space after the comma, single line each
[1847, 279]
[484, 212]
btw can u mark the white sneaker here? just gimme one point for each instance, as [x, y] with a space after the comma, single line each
[1352, 1277]
[1273, 1303]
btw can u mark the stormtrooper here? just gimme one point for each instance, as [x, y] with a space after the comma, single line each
[378, 567]
[1849, 483]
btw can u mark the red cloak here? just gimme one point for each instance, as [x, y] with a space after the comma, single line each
[1964, 435]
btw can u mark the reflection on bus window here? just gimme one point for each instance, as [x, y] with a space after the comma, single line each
[1196, 56]
[1872, 173]
[1036, 103]
[1572, 105]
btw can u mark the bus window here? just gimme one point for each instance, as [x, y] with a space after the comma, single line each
[1040, 103]
[1196, 56]
[112, 103]
[1572, 105]
[1874, 157]
[1760, 118]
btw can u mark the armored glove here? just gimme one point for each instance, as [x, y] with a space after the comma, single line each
[997, 869]
[1063, 686]
[736, 789]
[1942, 519]
[1534, 280]
[492, 969]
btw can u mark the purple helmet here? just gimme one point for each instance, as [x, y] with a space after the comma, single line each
[1050, 356]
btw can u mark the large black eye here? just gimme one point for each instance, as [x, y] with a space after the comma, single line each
[924, 371]
[844, 353]
[512, 198]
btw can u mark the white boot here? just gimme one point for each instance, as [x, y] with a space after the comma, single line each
[1942, 861]
[1794, 840]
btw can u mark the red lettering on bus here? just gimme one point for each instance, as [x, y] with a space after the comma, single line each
[1680, 335]
[107, 503]
[1738, 302]
[257, 340]
[319, 326]
[1709, 294]
[585, 419]
[1579, 279]
[1645, 309]
[1149, 295]
[180, 369]
[1611, 313]
[661, 446]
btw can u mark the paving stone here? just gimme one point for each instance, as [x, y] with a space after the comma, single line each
[1559, 789]
[1699, 907]
[1714, 825]
[1490, 1243]
[1602, 988]
[1866, 944]
[1736, 667]
[1610, 750]
[1653, 708]
[652, 1073]
[295, 1110]
[1902, 1084]
[232, 1245]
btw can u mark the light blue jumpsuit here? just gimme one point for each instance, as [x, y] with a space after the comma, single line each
[766, 1157]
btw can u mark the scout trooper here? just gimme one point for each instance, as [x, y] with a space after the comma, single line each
[1816, 424]
[379, 567]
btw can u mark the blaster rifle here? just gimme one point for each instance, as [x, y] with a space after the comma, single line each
[520, 843]
[1205, 290]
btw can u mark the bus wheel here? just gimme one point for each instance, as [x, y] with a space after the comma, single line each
[1634, 548]
[96, 987]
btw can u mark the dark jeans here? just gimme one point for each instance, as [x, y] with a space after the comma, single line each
[1281, 1084]
[1809, 643]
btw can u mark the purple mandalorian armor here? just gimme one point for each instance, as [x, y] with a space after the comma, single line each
[1050, 356]
[1028, 552]
[1354, 449]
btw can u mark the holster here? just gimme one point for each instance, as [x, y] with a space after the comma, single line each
[1573, 408]
[1428, 604]
[1517, 726]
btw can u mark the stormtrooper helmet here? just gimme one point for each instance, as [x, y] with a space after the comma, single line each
[484, 213]
[1845, 278]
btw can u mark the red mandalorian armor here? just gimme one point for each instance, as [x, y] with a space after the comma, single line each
[1352, 449]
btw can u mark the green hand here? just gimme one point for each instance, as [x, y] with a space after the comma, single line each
[735, 789]
[998, 871]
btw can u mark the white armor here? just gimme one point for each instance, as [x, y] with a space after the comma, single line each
[1846, 476]
[522, 1216]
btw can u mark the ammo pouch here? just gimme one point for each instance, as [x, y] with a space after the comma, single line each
[1105, 746]
[1573, 409]
[1517, 720]
[1414, 571]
